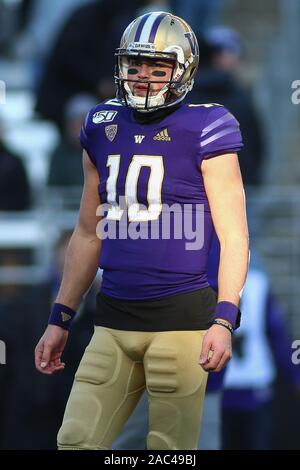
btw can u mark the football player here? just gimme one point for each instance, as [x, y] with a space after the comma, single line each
[159, 324]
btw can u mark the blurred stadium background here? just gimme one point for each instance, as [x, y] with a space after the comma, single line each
[56, 60]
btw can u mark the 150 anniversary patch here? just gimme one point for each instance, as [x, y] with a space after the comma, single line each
[104, 116]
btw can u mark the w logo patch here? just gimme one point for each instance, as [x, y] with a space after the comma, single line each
[163, 136]
[139, 139]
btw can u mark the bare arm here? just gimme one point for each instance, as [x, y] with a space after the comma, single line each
[225, 192]
[81, 263]
[80, 268]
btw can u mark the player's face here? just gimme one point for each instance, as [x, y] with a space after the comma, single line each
[158, 72]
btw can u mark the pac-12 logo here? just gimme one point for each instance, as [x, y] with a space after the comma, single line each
[104, 116]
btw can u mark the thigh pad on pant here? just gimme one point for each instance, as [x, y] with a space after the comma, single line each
[172, 368]
[98, 368]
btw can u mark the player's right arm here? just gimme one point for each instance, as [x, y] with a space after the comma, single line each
[81, 265]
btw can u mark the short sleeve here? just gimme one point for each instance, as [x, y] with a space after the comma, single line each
[220, 134]
[85, 140]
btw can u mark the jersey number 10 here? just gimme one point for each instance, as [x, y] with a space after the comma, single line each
[135, 213]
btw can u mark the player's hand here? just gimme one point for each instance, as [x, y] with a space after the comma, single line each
[216, 349]
[49, 350]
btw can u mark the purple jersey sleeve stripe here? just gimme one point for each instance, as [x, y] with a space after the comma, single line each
[155, 27]
[228, 130]
[140, 27]
[217, 123]
[86, 120]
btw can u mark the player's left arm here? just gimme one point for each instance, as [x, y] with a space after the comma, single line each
[226, 197]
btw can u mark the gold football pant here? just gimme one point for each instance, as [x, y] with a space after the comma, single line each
[114, 371]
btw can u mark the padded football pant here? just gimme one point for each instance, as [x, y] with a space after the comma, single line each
[114, 371]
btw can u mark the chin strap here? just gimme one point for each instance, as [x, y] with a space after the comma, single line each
[139, 102]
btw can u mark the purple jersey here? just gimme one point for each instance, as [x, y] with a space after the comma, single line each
[156, 165]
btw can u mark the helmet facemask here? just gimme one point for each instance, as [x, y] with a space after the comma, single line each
[170, 94]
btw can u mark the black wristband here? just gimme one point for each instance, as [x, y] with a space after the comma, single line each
[227, 325]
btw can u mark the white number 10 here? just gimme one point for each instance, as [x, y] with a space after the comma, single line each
[135, 214]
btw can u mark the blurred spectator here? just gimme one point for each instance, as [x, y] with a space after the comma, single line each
[9, 25]
[217, 82]
[14, 184]
[22, 313]
[262, 347]
[200, 14]
[82, 59]
[261, 350]
[43, 20]
[66, 161]
[31, 405]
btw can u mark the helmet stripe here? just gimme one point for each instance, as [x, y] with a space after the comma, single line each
[155, 26]
[140, 27]
[148, 26]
